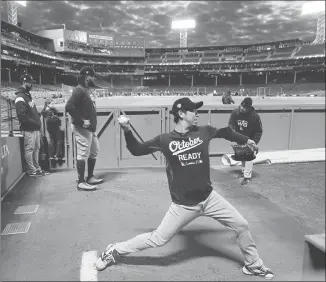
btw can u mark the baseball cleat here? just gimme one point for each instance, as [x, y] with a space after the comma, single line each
[83, 186]
[245, 181]
[93, 180]
[107, 258]
[262, 271]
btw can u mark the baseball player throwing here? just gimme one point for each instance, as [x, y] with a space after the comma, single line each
[187, 156]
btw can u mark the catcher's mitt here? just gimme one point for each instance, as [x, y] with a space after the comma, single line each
[244, 152]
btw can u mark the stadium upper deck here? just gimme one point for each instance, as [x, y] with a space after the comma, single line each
[125, 61]
[82, 47]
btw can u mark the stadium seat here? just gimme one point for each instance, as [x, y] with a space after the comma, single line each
[282, 53]
[311, 50]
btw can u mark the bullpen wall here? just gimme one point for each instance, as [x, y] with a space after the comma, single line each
[285, 127]
[11, 162]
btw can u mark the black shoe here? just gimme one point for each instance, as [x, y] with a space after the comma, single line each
[241, 175]
[245, 181]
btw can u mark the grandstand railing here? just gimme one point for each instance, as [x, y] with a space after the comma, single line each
[9, 120]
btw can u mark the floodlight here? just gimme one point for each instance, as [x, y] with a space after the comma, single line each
[183, 24]
[313, 7]
[23, 3]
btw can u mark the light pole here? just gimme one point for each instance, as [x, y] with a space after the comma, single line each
[183, 26]
[12, 7]
[316, 8]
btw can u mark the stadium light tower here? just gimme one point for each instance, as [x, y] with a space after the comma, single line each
[316, 8]
[183, 26]
[12, 10]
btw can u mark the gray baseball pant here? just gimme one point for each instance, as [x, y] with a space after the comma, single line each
[32, 144]
[87, 143]
[178, 216]
[247, 168]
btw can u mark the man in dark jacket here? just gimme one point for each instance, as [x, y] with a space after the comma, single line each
[30, 125]
[246, 121]
[84, 120]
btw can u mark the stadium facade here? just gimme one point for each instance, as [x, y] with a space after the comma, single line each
[126, 66]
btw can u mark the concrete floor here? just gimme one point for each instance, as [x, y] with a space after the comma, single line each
[69, 223]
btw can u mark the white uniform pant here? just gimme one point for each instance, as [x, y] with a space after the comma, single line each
[87, 143]
[247, 168]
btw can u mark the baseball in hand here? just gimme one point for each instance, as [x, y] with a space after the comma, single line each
[123, 120]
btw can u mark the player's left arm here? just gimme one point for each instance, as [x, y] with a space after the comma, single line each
[227, 133]
[257, 130]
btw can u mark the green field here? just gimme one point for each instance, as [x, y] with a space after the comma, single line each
[147, 101]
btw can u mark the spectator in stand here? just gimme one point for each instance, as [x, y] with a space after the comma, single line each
[53, 123]
[227, 98]
[30, 125]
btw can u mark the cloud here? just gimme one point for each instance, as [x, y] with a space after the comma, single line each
[217, 22]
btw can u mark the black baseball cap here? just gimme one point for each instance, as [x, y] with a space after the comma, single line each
[247, 102]
[27, 78]
[87, 71]
[185, 104]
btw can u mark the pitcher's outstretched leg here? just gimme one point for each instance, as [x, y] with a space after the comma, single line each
[175, 219]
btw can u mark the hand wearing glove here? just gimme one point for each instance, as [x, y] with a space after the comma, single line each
[246, 152]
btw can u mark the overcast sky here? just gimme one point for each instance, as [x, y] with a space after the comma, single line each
[217, 22]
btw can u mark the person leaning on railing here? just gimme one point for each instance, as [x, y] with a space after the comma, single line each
[30, 125]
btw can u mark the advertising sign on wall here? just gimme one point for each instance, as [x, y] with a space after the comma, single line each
[100, 39]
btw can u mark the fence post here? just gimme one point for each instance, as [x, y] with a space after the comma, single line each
[291, 130]
[118, 136]
[66, 140]
[162, 117]
[11, 130]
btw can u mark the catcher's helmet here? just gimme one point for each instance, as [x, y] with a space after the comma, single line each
[243, 153]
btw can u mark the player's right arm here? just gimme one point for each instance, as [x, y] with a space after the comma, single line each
[140, 149]
[71, 106]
